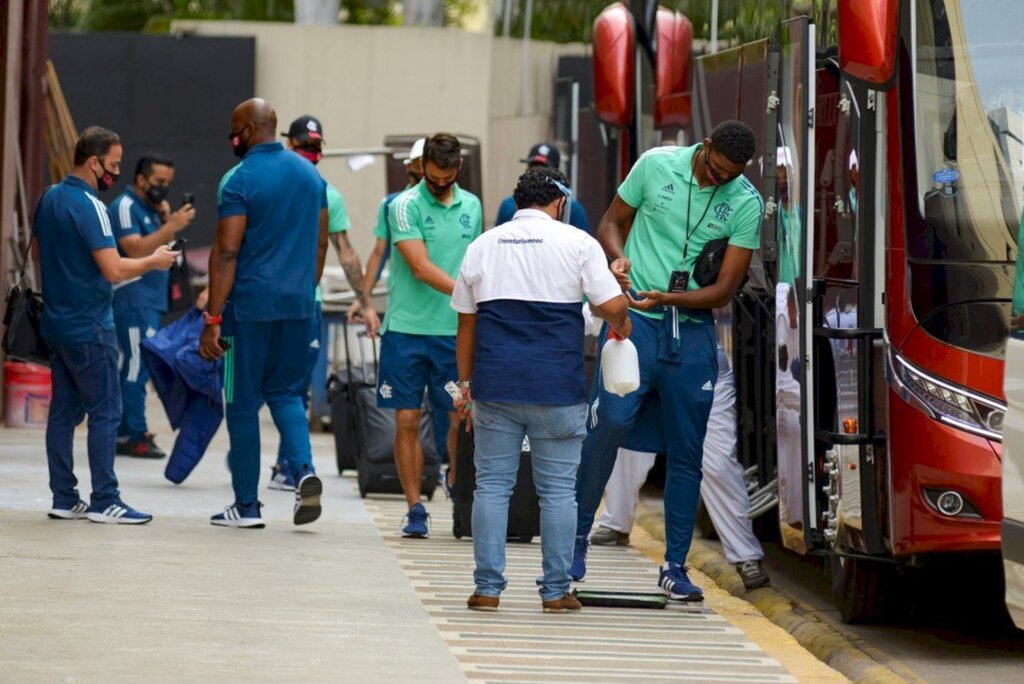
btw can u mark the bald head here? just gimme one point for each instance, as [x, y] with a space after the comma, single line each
[258, 116]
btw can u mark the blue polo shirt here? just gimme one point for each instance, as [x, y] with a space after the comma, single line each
[577, 214]
[281, 195]
[132, 215]
[71, 223]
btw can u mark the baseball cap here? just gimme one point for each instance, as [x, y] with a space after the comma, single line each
[416, 152]
[543, 153]
[305, 128]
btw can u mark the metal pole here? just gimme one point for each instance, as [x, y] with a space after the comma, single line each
[507, 18]
[527, 100]
[574, 171]
[714, 26]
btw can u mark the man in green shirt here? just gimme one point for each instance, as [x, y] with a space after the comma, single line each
[673, 203]
[431, 225]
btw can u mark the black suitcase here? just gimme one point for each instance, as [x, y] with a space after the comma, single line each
[523, 506]
[371, 437]
[339, 393]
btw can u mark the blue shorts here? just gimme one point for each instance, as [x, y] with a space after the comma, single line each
[410, 363]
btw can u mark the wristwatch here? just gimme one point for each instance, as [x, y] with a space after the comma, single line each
[212, 320]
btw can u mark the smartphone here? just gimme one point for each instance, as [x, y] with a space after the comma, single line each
[453, 390]
[224, 344]
[189, 198]
[177, 244]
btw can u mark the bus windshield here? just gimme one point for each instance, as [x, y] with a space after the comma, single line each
[968, 82]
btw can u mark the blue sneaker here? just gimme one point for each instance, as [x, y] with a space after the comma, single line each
[281, 479]
[117, 514]
[240, 516]
[578, 569]
[676, 584]
[307, 499]
[76, 512]
[417, 523]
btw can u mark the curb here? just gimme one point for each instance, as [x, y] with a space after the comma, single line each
[817, 635]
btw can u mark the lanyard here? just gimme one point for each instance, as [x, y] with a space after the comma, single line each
[692, 228]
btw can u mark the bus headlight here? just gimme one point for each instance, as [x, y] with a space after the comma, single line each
[946, 402]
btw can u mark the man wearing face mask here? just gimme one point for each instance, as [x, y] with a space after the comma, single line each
[544, 156]
[78, 258]
[674, 201]
[142, 221]
[267, 257]
[305, 138]
[431, 224]
[382, 248]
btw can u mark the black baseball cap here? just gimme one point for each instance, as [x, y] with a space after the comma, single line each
[305, 128]
[545, 154]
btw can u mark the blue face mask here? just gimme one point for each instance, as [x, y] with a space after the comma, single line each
[567, 207]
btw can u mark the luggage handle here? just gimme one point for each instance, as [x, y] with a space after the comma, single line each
[362, 358]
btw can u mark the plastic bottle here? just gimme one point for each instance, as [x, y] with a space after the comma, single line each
[620, 366]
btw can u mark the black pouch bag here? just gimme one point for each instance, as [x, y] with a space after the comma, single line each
[22, 319]
[709, 263]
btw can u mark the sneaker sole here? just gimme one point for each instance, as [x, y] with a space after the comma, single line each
[561, 610]
[484, 609]
[309, 509]
[688, 598]
[240, 524]
[281, 487]
[110, 520]
[61, 516]
[416, 535]
[617, 542]
[758, 584]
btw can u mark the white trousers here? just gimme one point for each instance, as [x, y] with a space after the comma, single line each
[722, 488]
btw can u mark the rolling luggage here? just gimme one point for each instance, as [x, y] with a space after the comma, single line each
[366, 433]
[523, 506]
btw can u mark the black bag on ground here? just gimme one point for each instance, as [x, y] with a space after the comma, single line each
[523, 506]
[364, 434]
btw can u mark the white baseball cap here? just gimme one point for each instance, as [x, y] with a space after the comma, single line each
[416, 152]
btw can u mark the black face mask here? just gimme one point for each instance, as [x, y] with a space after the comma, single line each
[107, 180]
[238, 146]
[157, 194]
[710, 171]
[438, 190]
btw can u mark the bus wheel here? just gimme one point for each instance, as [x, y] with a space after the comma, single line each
[858, 588]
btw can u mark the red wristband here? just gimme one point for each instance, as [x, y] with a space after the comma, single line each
[212, 320]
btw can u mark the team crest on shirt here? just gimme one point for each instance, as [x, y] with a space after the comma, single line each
[465, 221]
[722, 211]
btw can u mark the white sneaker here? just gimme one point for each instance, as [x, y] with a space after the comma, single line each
[76, 512]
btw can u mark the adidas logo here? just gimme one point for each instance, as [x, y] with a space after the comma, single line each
[669, 188]
[708, 387]
[315, 344]
[429, 221]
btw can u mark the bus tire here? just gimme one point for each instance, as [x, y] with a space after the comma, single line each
[858, 588]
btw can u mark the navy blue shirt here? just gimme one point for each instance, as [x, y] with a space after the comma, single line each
[71, 223]
[577, 214]
[281, 195]
[132, 215]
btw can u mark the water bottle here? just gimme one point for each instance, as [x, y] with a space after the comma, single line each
[620, 366]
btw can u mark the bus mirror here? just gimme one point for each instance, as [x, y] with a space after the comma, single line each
[868, 32]
[614, 74]
[672, 72]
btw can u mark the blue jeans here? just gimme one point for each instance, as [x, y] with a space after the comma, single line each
[133, 326]
[266, 363]
[556, 434]
[681, 371]
[85, 382]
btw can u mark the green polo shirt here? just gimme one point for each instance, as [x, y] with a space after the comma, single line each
[1017, 307]
[657, 187]
[414, 307]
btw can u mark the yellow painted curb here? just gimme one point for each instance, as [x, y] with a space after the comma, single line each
[812, 631]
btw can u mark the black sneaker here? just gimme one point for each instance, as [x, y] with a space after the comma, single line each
[143, 448]
[753, 575]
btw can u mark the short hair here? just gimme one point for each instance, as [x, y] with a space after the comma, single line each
[735, 140]
[443, 149]
[147, 161]
[95, 141]
[537, 188]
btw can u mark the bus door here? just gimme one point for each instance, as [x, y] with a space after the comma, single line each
[794, 383]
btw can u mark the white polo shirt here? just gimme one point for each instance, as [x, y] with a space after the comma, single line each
[525, 280]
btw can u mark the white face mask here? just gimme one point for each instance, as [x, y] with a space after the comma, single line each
[567, 206]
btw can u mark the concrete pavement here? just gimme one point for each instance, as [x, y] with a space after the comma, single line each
[179, 600]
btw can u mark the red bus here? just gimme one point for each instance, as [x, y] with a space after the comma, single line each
[868, 344]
